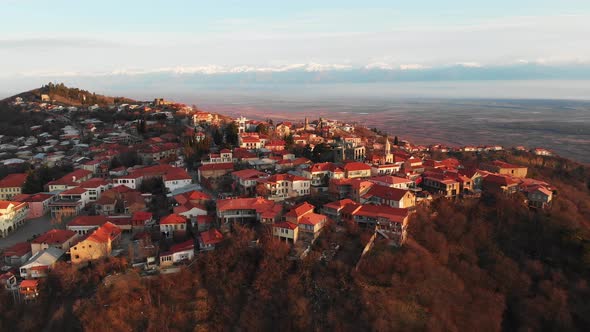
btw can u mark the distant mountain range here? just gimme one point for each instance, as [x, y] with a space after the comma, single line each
[317, 73]
[174, 81]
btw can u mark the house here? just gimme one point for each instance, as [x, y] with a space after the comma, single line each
[505, 168]
[92, 166]
[333, 210]
[213, 171]
[250, 143]
[321, 173]
[56, 238]
[385, 169]
[200, 117]
[357, 169]
[12, 216]
[298, 212]
[85, 224]
[17, 254]
[177, 178]
[542, 152]
[283, 129]
[96, 245]
[95, 188]
[29, 289]
[500, 184]
[41, 263]
[120, 200]
[539, 197]
[275, 145]
[141, 219]
[190, 210]
[11, 185]
[69, 202]
[382, 195]
[394, 221]
[287, 231]
[281, 186]
[155, 152]
[172, 224]
[194, 196]
[439, 183]
[209, 239]
[173, 177]
[393, 182]
[247, 179]
[311, 224]
[247, 209]
[224, 156]
[180, 252]
[8, 281]
[38, 204]
[70, 180]
[475, 175]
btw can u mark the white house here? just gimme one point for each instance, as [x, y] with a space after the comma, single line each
[40, 263]
[179, 252]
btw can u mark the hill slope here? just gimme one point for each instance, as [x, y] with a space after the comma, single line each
[61, 94]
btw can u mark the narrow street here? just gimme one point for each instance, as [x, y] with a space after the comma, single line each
[31, 227]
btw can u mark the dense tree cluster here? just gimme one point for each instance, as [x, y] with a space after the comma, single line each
[78, 95]
[490, 264]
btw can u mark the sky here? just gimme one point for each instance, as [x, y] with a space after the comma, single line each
[58, 38]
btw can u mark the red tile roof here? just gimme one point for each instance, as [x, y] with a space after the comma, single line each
[105, 233]
[141, 216]
[382, 211]
[94, 183]
[500, 180]
[212, 236]
[356, 166]
[172, 219]
[88, 221]
[13, 180]
[300, 210]
[220, 166]
[386, 193]
[258, 203]
[248, 174]
[74, 191]
[337, 205]
[312, 219]
[184, 246]
[33, 198]
[16, 205]
[390, 179]
[54, 236]
[286, 225]
[19, 249]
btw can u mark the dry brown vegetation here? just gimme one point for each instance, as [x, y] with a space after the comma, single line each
[489, 265]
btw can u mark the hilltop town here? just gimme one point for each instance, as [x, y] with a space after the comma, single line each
[157, 188]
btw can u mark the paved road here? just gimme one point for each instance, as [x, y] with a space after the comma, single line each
[31, 227]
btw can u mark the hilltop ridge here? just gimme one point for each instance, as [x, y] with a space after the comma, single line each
[61, 94]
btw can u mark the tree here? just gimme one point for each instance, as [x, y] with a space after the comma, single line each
[231, 133]
[32, 184]
[289, 141]
[395, 141]
[262, 129]
[217, 136]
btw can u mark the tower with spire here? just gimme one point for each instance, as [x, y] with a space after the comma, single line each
[387, 155]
